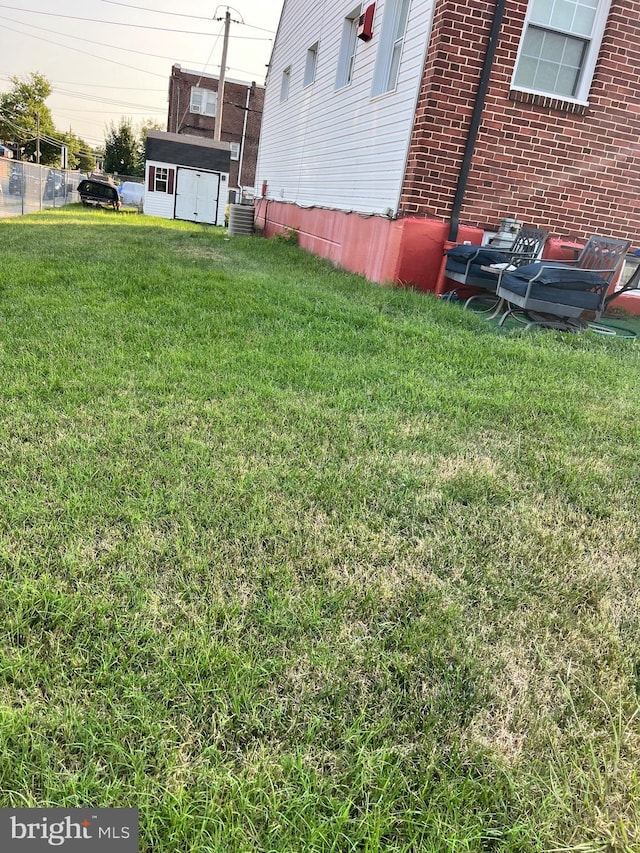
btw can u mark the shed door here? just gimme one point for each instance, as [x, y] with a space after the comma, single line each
[197, 195]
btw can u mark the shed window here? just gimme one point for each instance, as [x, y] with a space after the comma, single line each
[559, 47]
[161, 179]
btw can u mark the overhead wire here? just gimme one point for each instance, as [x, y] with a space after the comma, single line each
[85, 40]
[125, 24]
[178, 14]
[86, 53]
[102, 44]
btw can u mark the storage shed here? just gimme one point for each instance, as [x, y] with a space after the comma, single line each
[187, 177]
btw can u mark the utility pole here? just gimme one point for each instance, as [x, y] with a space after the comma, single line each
[223, 65]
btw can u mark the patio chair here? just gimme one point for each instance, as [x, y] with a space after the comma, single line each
[465, 263]
[563, 295]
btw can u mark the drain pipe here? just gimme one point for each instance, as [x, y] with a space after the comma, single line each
[472, 135]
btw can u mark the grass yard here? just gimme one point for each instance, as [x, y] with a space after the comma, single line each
[293, 562]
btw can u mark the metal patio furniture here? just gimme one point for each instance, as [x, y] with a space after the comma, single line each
[563, 295]
[468, 265]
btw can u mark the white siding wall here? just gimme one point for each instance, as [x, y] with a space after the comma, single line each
[158, 204]
[341, 149]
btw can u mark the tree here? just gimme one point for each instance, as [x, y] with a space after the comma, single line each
[121, 149]
[25, 118]
[142, 148]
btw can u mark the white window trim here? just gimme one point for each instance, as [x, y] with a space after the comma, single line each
[161, 180]
[592, 51]
[348, 48]
[310, 65]
[210, 99]
[285, 84]
[235, 150]
[382, 84]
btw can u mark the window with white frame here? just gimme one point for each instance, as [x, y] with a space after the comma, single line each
[559, 47]
[161, 180]
[203, 101]
[285, 83]
[310, 65]
[347, 58]
[235, 150]
[394, 25]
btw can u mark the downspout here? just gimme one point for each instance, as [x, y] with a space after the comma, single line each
[472, 135]
[476, 118]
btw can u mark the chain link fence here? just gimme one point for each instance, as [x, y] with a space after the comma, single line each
[27, 188]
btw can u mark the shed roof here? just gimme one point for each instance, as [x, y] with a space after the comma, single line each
[188, 139]
[198, 152]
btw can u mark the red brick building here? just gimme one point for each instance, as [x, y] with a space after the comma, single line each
[572, 166]
[449, 115]
[194, 110]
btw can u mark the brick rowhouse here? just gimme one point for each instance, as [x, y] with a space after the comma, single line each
[241, 118]
[557, 165]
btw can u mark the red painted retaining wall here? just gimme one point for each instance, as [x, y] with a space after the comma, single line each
[388, 251]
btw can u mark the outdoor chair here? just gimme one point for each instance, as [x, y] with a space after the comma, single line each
[465, 263]
[563, 295]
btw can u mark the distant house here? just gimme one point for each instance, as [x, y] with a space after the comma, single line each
[194, 110]
[186, 177]
[393, 128]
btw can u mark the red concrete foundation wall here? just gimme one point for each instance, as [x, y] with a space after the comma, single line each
[388, 251]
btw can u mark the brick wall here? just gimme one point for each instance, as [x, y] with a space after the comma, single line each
[181, 120]
[573, 170]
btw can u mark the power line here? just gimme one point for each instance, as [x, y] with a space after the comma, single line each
[178, 14]
[124, 24]
[85, 40]
[86, 53]
[98, 99]
[104, 86]
[109, 46]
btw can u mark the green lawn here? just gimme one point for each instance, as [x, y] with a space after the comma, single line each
[293, 562]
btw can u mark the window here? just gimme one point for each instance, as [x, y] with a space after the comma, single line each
[161, 179]
[203, 101]
[310, 65]
[235, 150]
[394, 25]
[284, 84]
[559, 47]
[348, 45]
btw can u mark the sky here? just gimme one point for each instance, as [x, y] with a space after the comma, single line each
[109, 60]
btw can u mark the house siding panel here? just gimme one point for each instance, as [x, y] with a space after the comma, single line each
[338, 148]
[158, 204]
